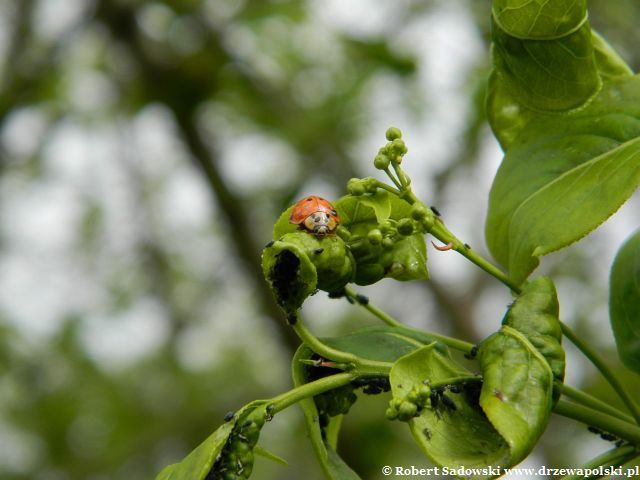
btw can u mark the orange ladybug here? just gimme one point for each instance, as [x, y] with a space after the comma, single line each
[315, 214]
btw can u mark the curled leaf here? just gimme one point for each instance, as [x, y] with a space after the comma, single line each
[299, 263]
[535, 314]
[516, 391]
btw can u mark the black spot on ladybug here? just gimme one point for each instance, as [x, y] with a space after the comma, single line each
[435, 210]
[318, 251]
[309, 199]
[228, 416]
[270, 244]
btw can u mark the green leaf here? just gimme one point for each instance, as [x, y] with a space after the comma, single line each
[408, 259]
[332, 465]
[283, 225]
[564, 176]
[535, 314]
[198, 464]
[383, 343]
[547, 74]
[563, 105]
[624, 302]
[517, 389]
[263, 452]
[539, 18]
[299, 263]
[450, 438]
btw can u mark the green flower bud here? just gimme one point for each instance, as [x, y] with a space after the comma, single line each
[393, 133]
[343, 233]
[423, 392]
[407, 411]
[419, 211]
[405, 227]
[391, 413]
[412, 396]
[388, 243]
[375, 237]
[399, 147]
[381, 162]
[355, 187]
[370, 184]
[388, 227]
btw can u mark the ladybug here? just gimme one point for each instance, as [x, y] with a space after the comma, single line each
[315, 214]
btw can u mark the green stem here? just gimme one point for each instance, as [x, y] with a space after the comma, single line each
[311, 389]
[590, 401]
[614, 457]
[442, 233]
[607, 372]
[354, 363]
[454, 343]
[393, 179]
[607, 423]
[386, 187]
[401, 176]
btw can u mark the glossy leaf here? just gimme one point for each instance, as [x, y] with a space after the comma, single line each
[198, 464]
[538, 18]
[535, 314]
[383, 343]
[332, 465]
[624, 302]
[450, 437]
[517, 390]
[565, 109]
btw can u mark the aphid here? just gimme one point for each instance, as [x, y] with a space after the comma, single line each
[455, 388]
[316, 215]
[438, 397]
[427, 433]
[269, 413]
[362, 299]
[473, 353]
[228, 416]
[435, 210]
[270, 244]
[318, 251]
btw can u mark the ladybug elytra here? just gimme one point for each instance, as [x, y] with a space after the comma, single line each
[315, 214]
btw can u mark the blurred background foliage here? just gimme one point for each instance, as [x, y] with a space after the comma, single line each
[146, 149]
